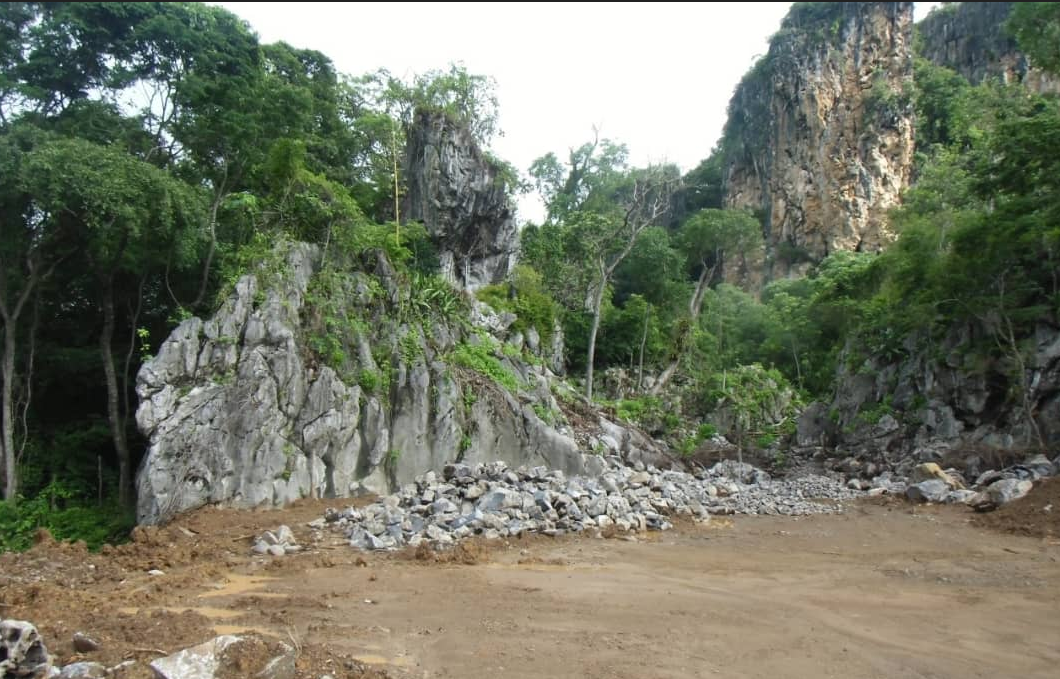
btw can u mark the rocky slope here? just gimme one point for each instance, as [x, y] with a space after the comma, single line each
[950, 401]
[969, 38]
[819, 139]
[312, 382]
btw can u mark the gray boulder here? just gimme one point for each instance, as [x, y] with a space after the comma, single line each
[934, 490]
[205, 660]
[1040, 465]
[1006, 490]
[22, 651]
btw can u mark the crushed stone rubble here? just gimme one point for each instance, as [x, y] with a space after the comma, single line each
[495, 501]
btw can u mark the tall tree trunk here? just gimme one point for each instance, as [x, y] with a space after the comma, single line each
[134, 317]
[798, 366]
[106, 340]
[1021, 367]
[598, 302]
[26, 397]
[8, 420]
[10, 315]
[695, 307]
[643, 342]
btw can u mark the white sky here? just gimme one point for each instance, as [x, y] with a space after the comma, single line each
[655, 76]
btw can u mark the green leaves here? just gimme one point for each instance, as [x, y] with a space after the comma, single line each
[711, 233]
[483, 358]
[590, 180]
[1036, 26]
[116, 210]
[469, 99]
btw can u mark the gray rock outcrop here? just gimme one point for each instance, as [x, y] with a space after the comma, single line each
[462, 199]
[288, 392]
[969, 38]
[945, 399]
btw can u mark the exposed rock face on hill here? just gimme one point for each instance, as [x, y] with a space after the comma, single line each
[945, 398]
[819, 139]
[462, 200]
[820, 136]
[312, 382]
[969, 38]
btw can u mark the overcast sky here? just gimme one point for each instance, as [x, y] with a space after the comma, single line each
[656, 76]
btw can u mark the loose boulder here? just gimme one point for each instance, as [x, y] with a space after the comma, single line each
[22, 651]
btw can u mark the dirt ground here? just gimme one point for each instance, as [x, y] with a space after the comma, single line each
[1037, 515]
[885, 590]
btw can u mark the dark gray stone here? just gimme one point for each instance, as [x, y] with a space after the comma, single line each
[455, 190]
[84, 643]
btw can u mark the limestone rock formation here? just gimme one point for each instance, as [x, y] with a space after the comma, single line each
[462, 200]
[819, 139]
[969, 37]
[944, 397]
[288, 392]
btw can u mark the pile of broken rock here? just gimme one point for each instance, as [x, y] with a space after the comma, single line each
[494, 501]
[991, 489]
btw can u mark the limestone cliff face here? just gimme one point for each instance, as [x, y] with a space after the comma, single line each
[819, 140]
[290, 391]
[969, 37]
[461, 199]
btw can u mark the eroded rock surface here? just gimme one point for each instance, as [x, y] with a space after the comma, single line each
[820, 135]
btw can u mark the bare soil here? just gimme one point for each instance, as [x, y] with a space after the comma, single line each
[885, 590]
[1036, 515]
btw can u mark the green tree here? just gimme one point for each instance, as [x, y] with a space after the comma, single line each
[1036, 26]
[586, 182]
[124, 216]
[703, 187]
[606, 240]
[654, 269]
[941, 104]
[707, 238]
[469, 99]
[30, 250]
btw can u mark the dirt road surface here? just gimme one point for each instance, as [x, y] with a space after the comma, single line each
[884, 590]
